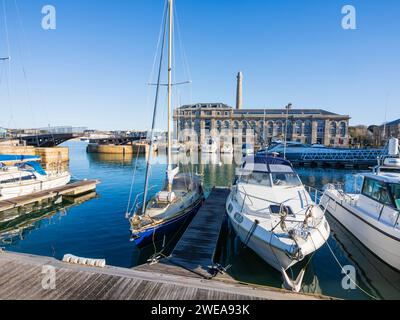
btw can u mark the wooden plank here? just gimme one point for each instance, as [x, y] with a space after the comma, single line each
[73, 189]
[196, 249]
[80, 282]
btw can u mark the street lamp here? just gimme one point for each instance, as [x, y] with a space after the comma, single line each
[288, 107]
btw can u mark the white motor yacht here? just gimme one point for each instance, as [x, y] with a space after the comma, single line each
[372, 215]
[273, 214]
[26, 178]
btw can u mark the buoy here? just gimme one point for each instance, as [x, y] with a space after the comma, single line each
[69, 258]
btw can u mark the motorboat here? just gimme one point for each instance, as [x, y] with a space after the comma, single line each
[181, 197]
[273, 214]
[210, 146]
[28, 177]
[372, 213]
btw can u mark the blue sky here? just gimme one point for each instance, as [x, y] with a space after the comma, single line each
[94, 68]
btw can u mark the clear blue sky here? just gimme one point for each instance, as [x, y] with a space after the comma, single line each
[93, 69]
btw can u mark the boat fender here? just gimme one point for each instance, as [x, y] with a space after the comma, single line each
[69, 258]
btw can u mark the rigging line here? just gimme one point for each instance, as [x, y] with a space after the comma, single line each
[24, 70]
[342, 269]
[182, 47]
[132, 183]
[154, 116]
[8, 67]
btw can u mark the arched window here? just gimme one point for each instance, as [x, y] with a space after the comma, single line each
[270, 128]
[299, 128]
[227, 125]
[333, 129]
[307, 127]
[289, 128]
[244, 127]
[343, 129]
[279, 128]
[219, 126]
[236, 125]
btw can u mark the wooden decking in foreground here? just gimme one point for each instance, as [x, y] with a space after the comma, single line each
[70, 190]
[21, 278]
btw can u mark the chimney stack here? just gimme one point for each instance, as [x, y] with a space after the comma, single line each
[239, 92]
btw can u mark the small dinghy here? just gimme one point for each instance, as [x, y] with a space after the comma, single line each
[273, 214]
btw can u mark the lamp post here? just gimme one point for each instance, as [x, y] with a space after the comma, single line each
[288, 107]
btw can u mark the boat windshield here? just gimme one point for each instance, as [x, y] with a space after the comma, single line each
[259, 178]
[376, 190]
[287, 179]
[395, 190]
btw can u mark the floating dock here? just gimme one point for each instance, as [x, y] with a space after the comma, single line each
[69, 190]
[186, 275]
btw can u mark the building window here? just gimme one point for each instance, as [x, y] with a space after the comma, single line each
[308, 128]
[226, 125]
[270, 128]
[236, 125]
[343, 129]
[279, 128]
[219, 126]
[333, 129]
[299, 128]
[208, 124]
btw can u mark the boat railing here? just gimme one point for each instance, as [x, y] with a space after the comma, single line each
[136, 204]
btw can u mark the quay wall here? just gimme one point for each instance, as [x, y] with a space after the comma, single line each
[52, 159]
[118, 149]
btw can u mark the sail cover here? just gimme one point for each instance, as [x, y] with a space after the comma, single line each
[17, 158]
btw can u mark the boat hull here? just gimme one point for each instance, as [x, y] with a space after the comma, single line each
[146, 236]
[383, 244]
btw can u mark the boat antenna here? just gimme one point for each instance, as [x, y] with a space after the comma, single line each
[146, 185]
[288, 107]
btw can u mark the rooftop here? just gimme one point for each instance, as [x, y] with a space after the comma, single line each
[259, 111]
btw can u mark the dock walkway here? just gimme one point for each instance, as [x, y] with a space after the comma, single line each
[21, 278]
[71, 190]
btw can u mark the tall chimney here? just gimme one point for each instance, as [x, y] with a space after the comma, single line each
[239, 92]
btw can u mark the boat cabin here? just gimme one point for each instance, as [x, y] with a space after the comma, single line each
[267, 171]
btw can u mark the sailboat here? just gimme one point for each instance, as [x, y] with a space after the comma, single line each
[182, 195]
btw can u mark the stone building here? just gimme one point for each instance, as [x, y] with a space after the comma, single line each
[195, 123]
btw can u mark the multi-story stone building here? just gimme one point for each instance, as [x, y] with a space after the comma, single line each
[197, 122]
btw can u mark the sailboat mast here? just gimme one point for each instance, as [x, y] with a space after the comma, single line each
[170, 33]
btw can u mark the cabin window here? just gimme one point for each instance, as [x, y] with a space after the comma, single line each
[377, 190]
[286, 179]
[395, 190]
[259, 178]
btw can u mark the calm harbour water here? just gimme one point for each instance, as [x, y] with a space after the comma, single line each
[98, 228]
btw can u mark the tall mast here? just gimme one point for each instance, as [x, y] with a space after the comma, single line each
[170, 33]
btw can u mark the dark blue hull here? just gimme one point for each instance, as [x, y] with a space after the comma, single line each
[157, 233]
